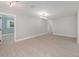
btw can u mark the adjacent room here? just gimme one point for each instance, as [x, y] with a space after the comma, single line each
[39, 29]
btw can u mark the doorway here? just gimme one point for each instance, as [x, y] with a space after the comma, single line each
[7, 29]
[0, 29]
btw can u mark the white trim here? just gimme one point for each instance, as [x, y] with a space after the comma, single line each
[15, 29]
[1, 29]
[30, 37]
[65, 35]
[78, 26]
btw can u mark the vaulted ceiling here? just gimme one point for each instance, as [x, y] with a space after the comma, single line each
[55, 9]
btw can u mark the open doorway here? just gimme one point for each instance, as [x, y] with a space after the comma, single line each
[7, 29]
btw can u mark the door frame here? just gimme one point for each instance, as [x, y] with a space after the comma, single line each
[14, 23]
[1, 30]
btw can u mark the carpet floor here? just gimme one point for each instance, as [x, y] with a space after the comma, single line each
[42, 46]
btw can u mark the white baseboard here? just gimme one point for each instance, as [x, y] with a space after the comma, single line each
[17, 40]
[65, 35]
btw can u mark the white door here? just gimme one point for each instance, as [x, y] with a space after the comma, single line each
[0, 28]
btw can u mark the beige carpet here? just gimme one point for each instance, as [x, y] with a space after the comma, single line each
[43, 46]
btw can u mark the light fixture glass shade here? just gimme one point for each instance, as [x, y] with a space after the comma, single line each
[11, 3]
[43, 17]
[43, 14]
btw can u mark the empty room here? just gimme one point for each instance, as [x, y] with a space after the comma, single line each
[39, 28]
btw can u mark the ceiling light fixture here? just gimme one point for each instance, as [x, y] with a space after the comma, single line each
[11, 3]
[43, 15]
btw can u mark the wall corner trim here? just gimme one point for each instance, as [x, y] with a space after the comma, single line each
[18, 40]
[64, 35]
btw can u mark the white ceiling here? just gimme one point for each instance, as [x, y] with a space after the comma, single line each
[55, 9]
